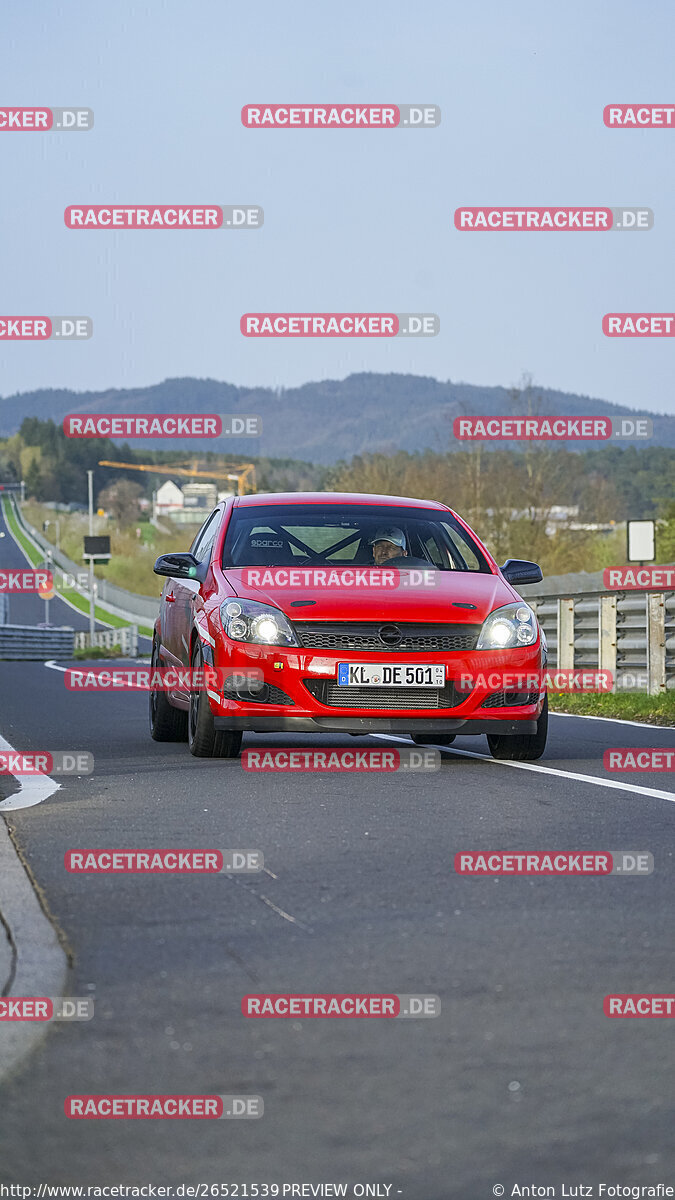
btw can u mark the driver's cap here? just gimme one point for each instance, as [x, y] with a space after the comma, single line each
[389, 533]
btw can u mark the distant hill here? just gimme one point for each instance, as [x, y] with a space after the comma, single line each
[321, 422]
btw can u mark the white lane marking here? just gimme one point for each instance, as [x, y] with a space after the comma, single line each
[613, 720]
[265, 900]
[286, 916]
[525, 766]
[54, 666]
[656, 793]
[34, 788]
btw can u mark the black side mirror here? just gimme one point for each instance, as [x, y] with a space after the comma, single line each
[181, 566]
[520, 571]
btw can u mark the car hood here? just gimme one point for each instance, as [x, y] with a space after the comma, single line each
[442, 601]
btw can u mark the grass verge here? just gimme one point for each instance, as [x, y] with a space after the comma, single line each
[35, 557]
[92, 652]
[627, 706]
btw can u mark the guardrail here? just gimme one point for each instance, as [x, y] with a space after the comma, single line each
[126, 639]
[631, 634]
[28, 642]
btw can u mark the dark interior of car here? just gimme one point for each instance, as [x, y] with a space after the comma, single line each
[274, 544]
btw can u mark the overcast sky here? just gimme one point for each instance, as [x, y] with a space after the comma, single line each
[354, 220]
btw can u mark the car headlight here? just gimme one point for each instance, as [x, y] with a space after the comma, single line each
[508, 627]
[249, 621]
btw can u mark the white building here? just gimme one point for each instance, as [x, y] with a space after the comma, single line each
[188, 505]
[167, 500]
[201, 496]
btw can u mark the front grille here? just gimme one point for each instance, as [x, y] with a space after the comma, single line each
[510, 699]
[416, 638]
[267, 694]
[330, 693]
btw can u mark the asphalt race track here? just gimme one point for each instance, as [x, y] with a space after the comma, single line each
[521, 1077]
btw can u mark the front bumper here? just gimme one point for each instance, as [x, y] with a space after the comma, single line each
[281, 723]
[288, 672]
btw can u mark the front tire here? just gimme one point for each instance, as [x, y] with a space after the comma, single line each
[167, 724]
[521, 747]
[204, 740]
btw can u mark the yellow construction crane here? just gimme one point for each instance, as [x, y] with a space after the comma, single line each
[242, 473]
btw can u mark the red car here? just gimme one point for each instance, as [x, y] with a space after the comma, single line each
[346, 613]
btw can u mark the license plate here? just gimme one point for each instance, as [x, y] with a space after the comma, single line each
[430, 675]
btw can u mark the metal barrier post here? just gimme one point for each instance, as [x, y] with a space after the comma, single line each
[607, 636]
[565, 634]
[656, 642]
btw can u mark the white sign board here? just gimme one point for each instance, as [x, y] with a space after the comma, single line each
[641, 546]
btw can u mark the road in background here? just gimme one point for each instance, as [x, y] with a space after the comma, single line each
[27, 609]
[521, 1078]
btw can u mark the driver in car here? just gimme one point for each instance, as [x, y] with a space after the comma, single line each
[389, 546]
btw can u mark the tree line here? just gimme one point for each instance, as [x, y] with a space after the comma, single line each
[506, 495]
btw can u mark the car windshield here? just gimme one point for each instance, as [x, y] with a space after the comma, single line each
[341, 535]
